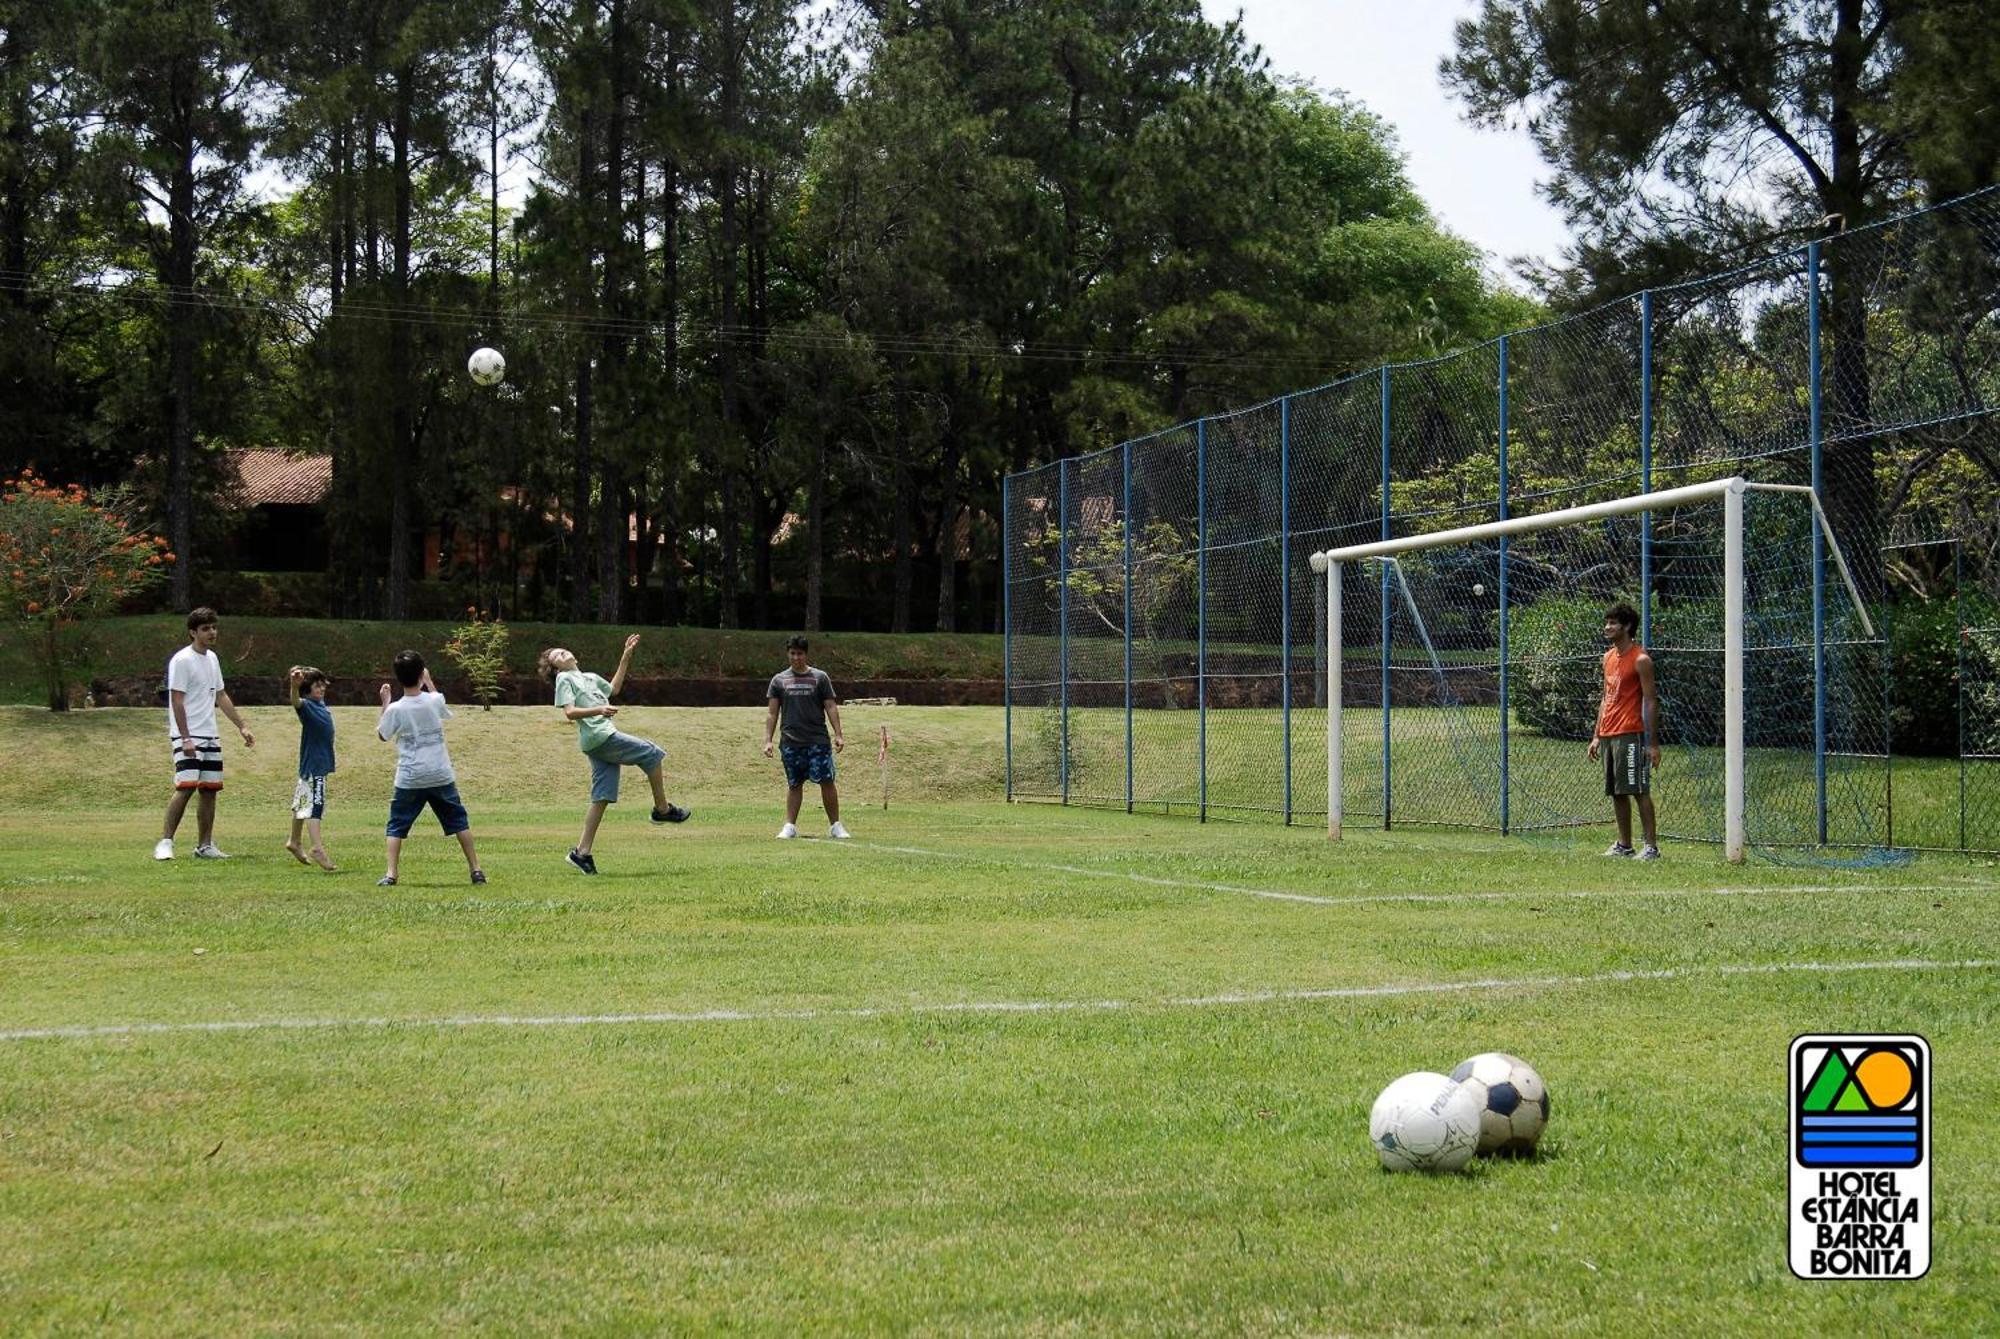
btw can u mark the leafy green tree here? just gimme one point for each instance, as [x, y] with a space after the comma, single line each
[1687, 135]
[171, 79]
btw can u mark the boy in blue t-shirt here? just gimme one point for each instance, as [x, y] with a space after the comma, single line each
[308, 696]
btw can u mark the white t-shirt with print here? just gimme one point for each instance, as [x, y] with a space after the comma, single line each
[198, 675]
[417, 725]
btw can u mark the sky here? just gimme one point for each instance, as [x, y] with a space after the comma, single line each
[1384, 53]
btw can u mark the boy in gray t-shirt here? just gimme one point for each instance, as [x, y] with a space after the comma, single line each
[803, 698]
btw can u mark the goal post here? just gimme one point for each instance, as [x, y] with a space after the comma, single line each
[1724, 495]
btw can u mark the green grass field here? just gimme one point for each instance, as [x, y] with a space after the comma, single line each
[1445, 766]
[987, 1068]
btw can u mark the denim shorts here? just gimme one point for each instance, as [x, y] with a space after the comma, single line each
[807, 762]
[609, 759]
[405, 805]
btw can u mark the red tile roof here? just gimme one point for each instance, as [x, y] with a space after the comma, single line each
[279, 478]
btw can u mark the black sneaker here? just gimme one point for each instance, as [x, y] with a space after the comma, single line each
[479, 876]
[386, 881]
[581, 862]
[673, 813]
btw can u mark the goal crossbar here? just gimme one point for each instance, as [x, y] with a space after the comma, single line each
[1728, 491]
[1591, 511]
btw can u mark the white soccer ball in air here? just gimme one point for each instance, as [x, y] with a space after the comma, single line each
[486, 367]
[1512, 1101]
[1424, 1122]
[1478, 588]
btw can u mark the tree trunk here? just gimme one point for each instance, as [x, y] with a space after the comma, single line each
[1848, 464]
[614, 523]
[816, 534]
[182, 331]
[902, 578]
[583, 460]
[402, 472]
[727, 230]
[947, 555]
[493, 175]
[769, 510]
[52, 655]
[671, 440]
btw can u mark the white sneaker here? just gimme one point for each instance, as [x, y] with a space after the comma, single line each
[838, 832]
[210, 851]
[1618, 851]
[787, 832]
[163, 849]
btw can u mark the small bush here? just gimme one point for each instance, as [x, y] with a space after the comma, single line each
[479, 649]
[1926, 640]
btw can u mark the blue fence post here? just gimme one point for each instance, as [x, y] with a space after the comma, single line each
[1062, 635]
[1128, 625]
[1285, 590]
[1646, 465]
[1504, 733]
[1007, 621]
[1818, 544]
[1201, 609]
[1958, 621]
[1386, 790]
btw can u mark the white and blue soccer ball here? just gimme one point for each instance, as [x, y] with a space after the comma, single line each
[1512, 1101]
[1424, 1122]
[486, 367]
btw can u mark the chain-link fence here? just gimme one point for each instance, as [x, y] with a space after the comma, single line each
[1167, 639]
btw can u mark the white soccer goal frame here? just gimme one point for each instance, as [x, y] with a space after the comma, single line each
[1730, 491]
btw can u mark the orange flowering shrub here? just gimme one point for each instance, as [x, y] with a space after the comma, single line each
[66, 555]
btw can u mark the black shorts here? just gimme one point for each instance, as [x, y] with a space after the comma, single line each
[1626, 770]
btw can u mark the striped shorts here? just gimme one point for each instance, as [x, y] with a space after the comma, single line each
[200, 770]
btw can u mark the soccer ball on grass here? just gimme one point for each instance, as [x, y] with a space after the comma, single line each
[1424, 1122]
[486, 367]
[1511, 1099]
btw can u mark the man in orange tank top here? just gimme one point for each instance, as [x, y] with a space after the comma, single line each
[1628, 731]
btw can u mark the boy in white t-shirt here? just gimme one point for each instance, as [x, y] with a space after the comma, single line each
[585, 698]
[194, 692]
[415, 721]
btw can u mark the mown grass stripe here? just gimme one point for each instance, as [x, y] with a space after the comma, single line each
[1285, 895]
[1232, 999]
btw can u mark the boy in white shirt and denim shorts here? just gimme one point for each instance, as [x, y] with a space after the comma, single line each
[585, 698]
[415, 721]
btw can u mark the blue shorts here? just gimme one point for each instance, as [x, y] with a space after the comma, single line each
[807, 762]
[405, 805]
[609, 759]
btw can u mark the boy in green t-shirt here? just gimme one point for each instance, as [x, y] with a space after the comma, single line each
[586, 699]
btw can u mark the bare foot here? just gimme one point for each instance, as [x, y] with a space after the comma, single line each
[321, 859]
[297, 854]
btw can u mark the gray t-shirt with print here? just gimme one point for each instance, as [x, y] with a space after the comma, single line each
[802, 700]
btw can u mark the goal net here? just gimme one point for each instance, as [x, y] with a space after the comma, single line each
[1463, 671]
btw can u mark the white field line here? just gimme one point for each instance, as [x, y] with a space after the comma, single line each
[1237, 998]
[1280, 895]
